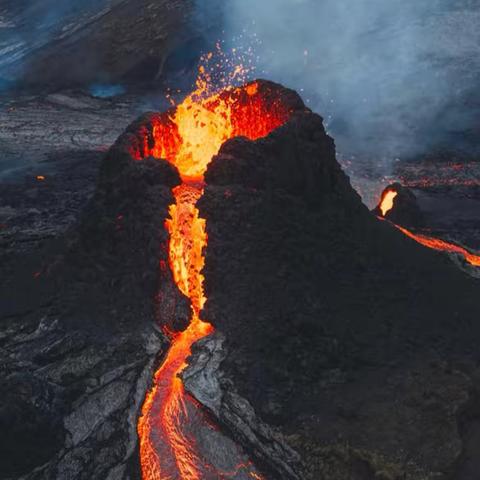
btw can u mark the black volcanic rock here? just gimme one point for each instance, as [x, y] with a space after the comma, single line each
[122, 230]
[338, 326]
[80, 330]
[30, 417]
[405, 211]
[280, 166]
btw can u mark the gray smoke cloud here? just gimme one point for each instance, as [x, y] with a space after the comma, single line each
[391, 77]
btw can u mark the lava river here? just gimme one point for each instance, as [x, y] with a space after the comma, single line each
[387, 203]
[188, 136]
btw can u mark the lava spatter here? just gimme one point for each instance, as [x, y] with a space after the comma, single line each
[386, 203]
[188, 137]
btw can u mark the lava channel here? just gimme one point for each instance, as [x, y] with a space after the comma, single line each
[442, 246]
[386, 205]
[188, 137]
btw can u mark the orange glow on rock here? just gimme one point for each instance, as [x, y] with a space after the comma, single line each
[252, 89]
[386, 204]
[192, 133]
[188, 136]
[187, 240]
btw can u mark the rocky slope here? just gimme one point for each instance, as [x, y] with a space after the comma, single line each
[79, 344]
[355, 340]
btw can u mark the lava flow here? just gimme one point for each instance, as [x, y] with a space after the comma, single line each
[442, 245]
[386, 205]
[188, 137]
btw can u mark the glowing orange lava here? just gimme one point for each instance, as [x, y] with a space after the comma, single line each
[442, 245]
[188, 137]
[386, 204]
[164, 406]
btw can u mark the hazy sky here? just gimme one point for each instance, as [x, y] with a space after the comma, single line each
[389, 76]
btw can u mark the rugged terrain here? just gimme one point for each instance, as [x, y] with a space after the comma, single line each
[79, 341]
[344, 350]
[333, 320]
[340, 330]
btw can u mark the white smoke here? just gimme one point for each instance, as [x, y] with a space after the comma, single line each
[390, 76]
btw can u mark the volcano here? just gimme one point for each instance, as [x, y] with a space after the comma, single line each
[359, 296]
[237, 312]
[188, 137]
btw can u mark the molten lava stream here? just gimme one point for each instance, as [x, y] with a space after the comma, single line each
[386, 205]
[442, 246]
[167, 451]
[188, 137]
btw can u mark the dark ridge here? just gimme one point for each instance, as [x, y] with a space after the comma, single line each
[319, 299]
